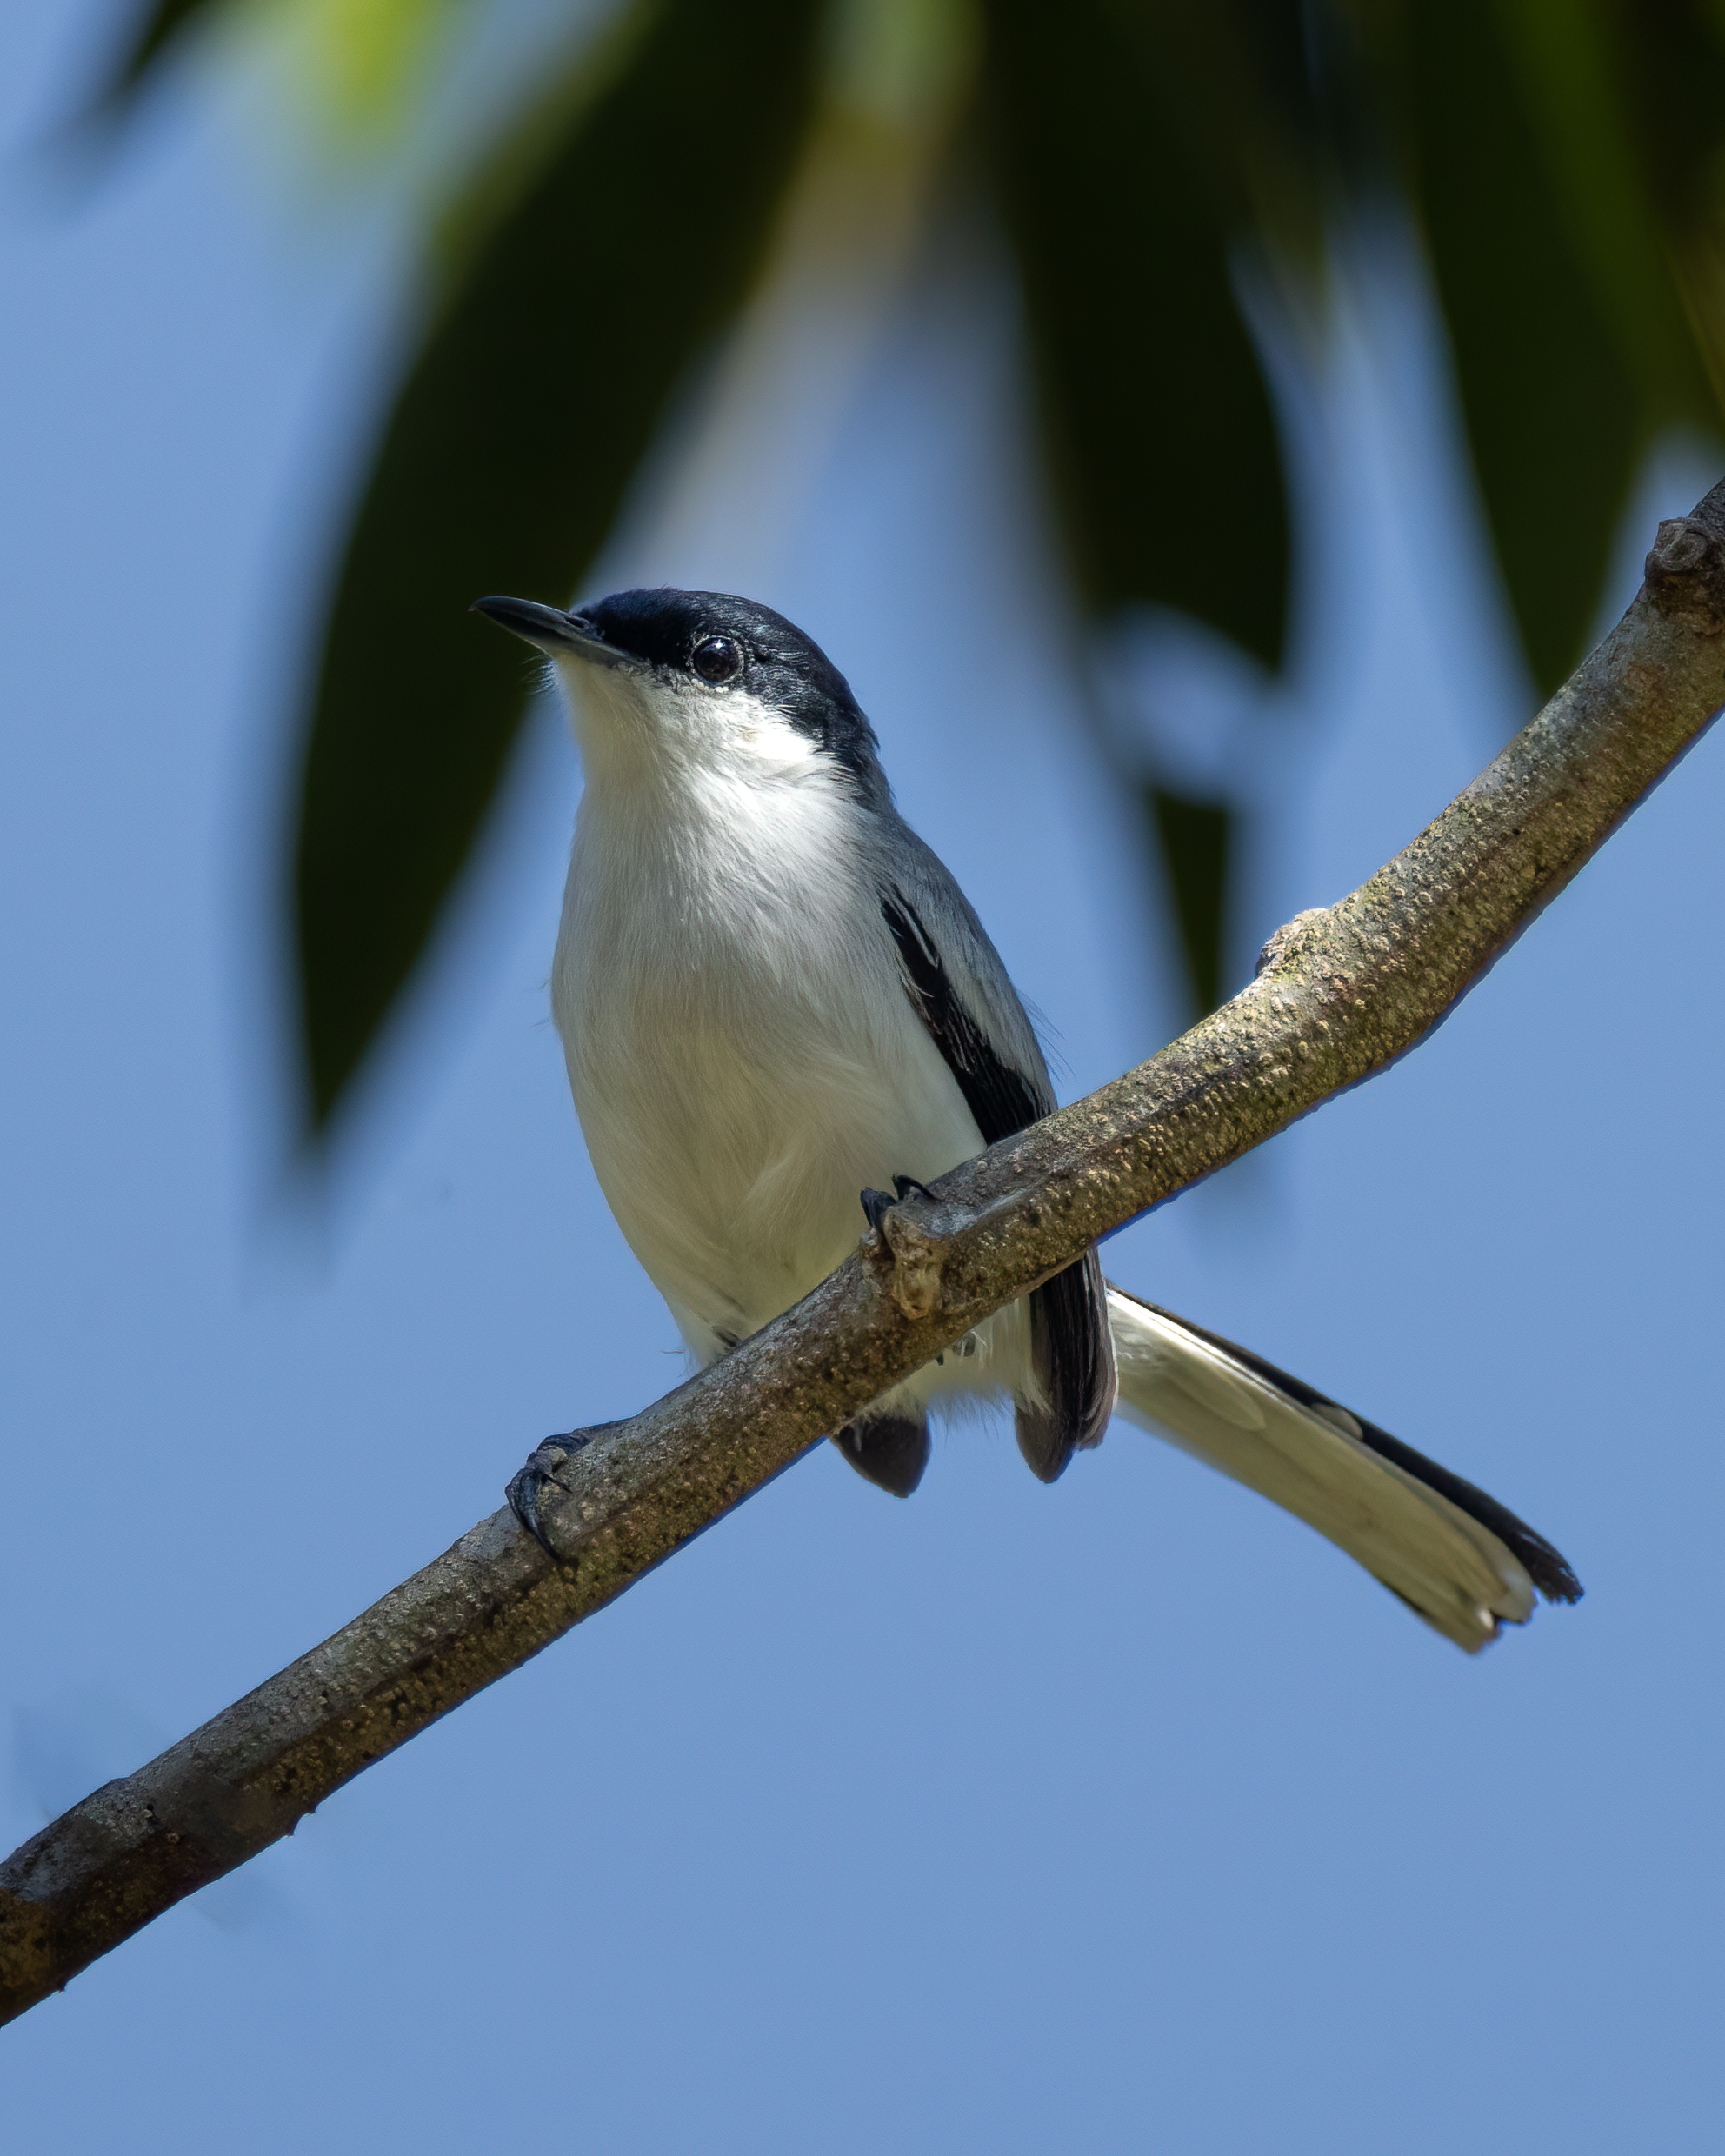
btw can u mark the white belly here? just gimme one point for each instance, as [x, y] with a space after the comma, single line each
[745, 1061]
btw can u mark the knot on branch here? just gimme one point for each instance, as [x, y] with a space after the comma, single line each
[1291, 939]
[917, 1257]
[1685, 574]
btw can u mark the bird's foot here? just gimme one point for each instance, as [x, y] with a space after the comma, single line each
[527, 1485]
[876, 1203]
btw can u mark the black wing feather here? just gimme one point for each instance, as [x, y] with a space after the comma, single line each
[1004, 1101]
[1069, 1341]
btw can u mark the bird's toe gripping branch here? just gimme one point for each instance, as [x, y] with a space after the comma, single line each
[915, 1256]
[527, 1487]
[876, 1203]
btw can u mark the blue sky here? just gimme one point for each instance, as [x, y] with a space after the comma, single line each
[1124, 1814]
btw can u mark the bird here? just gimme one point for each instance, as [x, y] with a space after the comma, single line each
[777, 1008]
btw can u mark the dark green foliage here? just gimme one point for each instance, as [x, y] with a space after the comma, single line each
[1564, 164]
[1157, 419]
[1565, 160]
[1128, 152]
[1196, 839]
[1549, 399]
[516, 434]
[1667, 63]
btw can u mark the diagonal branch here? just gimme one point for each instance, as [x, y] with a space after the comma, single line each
[1340, 995]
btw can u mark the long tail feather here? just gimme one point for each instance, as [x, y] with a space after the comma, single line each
[1459, 1559]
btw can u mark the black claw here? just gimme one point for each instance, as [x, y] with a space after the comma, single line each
[526, 1485]
[875, 1204]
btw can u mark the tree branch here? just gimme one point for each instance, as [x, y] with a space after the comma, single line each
[1341, 994]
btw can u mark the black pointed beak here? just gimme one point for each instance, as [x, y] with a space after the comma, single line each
[551, 630]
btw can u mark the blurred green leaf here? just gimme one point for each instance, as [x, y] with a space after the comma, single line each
[156, 28]
[1257, 96]
[364, 62]
[521, 421]
[1133, 151]
[1668, 56]
[1196, 839]
[1566, 159]
[1570, 55]
[1154, 406]
[1554, 413]
[361, 62]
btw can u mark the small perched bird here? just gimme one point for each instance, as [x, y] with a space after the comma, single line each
[775, 1002]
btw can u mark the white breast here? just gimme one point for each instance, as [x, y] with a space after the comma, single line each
[743, 1054]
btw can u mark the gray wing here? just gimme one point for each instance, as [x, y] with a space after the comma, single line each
[961, 992]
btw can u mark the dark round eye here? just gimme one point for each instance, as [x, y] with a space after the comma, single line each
[718, 659]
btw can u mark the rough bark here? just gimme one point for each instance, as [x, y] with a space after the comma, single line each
[1341, 994]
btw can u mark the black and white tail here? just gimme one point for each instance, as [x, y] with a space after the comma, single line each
[1457, 1557]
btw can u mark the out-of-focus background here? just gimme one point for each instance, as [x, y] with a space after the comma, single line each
[1122, 1814]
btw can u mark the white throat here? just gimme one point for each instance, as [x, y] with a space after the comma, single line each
[640, 731]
